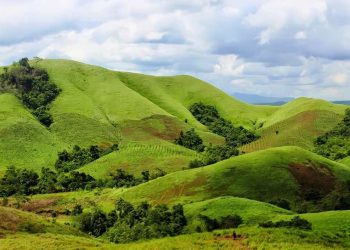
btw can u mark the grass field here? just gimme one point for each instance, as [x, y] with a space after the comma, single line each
[299, 130]
[138, 157]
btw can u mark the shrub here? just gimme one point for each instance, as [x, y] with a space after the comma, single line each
[281, 203]
[191, 140]
[295, 222]
[78, 209]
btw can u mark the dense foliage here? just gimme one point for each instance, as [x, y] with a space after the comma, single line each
[335, 144]
[224, 222]
[191, 140]
[68, 161]
[128, 223]
[234, 137]
[295, 222]
[209, 116]
[27, 182]
[213, 154]
[32, 86]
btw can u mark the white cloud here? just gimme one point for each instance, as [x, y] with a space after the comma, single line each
[290, 47]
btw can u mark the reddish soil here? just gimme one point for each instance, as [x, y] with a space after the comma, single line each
[312, 178]
[38, 205]
[187, 188]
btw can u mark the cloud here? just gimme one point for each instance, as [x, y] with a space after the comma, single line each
[290, 47]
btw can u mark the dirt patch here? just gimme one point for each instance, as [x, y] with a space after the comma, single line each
[314, 182]
[237, 242]
[38, 205]
[9, 221]
[184, 189]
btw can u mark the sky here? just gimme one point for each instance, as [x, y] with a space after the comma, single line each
[268, 47]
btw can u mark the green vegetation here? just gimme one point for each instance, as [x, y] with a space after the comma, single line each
[335, 143]
[128, 223]
[61, 183]
[190, 140]
[295, 222]
[27, 182]
[79, 156]
[32, 86]
[209, 116]
[307, 181]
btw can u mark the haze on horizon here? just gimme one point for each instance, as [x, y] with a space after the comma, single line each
[265, 47]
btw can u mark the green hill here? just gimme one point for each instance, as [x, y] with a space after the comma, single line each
[101, 107]
[286, 173]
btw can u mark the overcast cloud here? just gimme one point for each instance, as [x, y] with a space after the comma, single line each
[268, 47]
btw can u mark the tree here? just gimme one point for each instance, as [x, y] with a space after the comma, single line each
[94, 223]
[47, 182]
[191, 140]
[230, 221]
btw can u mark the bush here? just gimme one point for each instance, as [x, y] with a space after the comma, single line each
[281, 203]
[68, 161]
[191, 140]
[295, 222]
[94, 223]
[196, 163]
[230, 221]
[78, 209]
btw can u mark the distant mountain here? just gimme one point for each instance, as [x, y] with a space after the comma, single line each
[345, 102]
[257, 99]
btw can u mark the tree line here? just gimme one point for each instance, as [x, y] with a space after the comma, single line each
[234, 136]
[68, 161]
[128, 223]
[27, 182]
[32, 86]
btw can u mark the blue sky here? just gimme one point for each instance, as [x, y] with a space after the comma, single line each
[273, 47]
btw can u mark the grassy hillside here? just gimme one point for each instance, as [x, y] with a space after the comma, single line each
[14, 220]
[251, 211]
[299, 130]
[138, 157]
[24, 141]
[301, 105]
[176, 94]
[284, 172]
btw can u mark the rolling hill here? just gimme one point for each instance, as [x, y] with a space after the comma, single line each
[144, 114]
[101, 107]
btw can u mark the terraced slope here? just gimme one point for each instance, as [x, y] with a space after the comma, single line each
[300, 105]
[299, 130]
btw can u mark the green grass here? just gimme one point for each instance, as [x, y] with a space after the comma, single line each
[301, 105]
[15, 220]
[24, 141]
[251, 211]
[138, 157]
[299, 130]
[176, 94]
[262, 175]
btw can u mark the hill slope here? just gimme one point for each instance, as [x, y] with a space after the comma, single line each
[286, 173]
